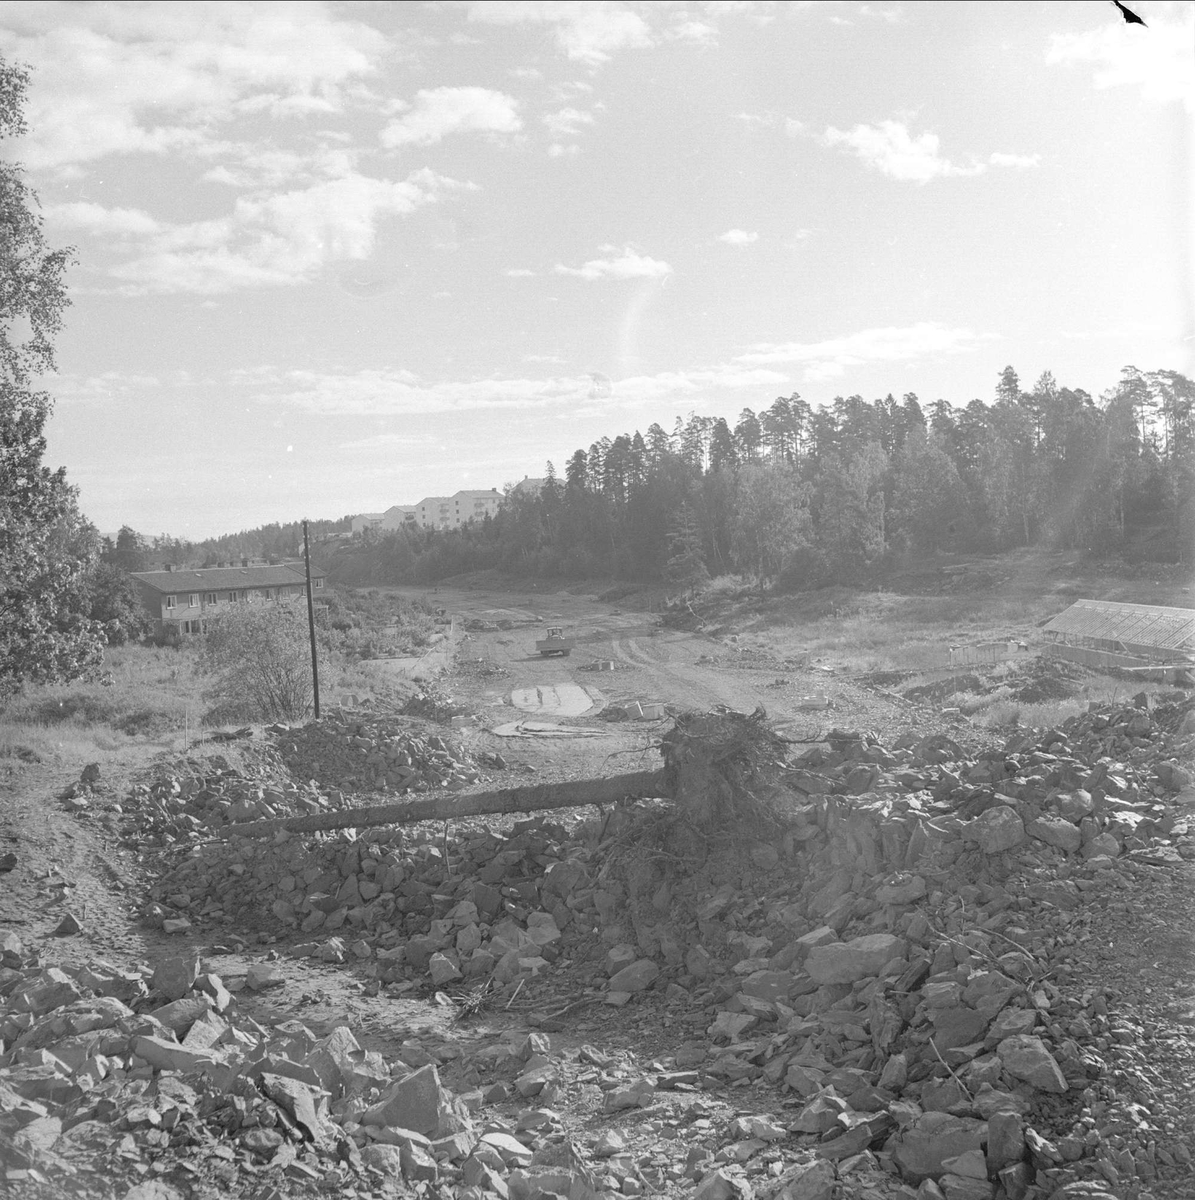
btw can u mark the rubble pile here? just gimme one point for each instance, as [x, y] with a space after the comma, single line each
[432, 704]
[185, 797]
[904, 964]
[110, 1076]
[367, 752]
[413, 905]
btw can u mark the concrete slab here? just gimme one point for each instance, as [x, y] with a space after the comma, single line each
[558, 699]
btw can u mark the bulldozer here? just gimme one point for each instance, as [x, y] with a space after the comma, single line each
[554, 643]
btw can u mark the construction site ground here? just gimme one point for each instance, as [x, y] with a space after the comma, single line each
[86, 863]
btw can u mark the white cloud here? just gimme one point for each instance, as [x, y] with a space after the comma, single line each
[589, 32]
[437, 112]
[567, 122]
[1156, 58]
[624, 263]
[686, 29]
[1014, 160]
[274, 240]
[890, 14]
[387, 393]
[121, 79]
[386, 441]
[738, 237]
[891, 150]
[108, 386]
[831, 358]
[108, 222]
[254, 166]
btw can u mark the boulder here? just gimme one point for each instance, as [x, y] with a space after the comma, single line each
[1056, 831]
[846, 962]
[174, 977]
[638, 977]
[1026, 1057]
[417, 1102]
[921, 1148]
[996, 830]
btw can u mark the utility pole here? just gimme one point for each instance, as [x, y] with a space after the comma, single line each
[311, 623]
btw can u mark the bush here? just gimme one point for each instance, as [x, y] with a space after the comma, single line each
[259, 659]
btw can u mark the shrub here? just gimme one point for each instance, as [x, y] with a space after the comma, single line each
[260, 662]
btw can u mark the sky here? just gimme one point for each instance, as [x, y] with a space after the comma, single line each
[335, 257]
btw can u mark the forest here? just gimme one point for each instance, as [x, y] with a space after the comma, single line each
[797, 496]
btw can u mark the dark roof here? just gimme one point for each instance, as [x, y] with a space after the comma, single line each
[1136, 624]
[212, 579]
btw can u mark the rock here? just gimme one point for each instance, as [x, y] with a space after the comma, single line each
[1015, 1180]
[958, 1026]
[261, 976]
[1082, 1189]
[1056, 831]
[769, 985]
[636, 1095]
[965, 1187]
[638, 977]
[619, 957]
[996, 830]
[846, 962]
[717, 1185]
[807, 1181]
[1026, 1057]
[175, 977]
[1102, 843]
[512, 1152]
[298, 1100]
[417, 1102]
[920, 1149]
[763, 1128]
[332, 1059]
[1073, 806]
[417, 1164]
[383, 1158]
[820, 1115]
[901, 889]
[443, 970]
[68, 926]
[1006, 1141]
[180, 1015]
[171, 1056]
[153, 1189]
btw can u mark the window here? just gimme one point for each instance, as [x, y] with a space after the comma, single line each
[210, 598]
[170, 601]
[193, 600]
[192, 627]
[319, 583]
[232, 597]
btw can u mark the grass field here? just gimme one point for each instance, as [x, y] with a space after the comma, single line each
[148, 695]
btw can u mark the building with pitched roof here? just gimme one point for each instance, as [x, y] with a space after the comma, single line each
[182, 601]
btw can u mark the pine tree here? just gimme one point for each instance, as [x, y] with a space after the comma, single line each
[686, 564]
[47, 549]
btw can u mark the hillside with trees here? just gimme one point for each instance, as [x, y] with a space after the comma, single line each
[804, 496]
